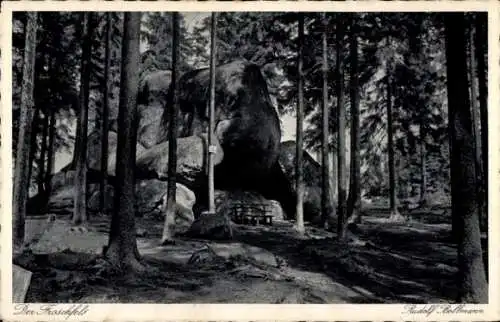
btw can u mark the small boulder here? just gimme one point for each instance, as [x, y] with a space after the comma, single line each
[242, 250]
[211, 226]
[150, 196]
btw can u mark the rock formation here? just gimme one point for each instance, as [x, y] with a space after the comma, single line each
[246, 125]
[252, 165]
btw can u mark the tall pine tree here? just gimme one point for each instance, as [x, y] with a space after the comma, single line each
[299, 180]
[21, 179]
[465, 206]
[354, 200]
[80, 207]
[339, 78]
[105, 114]
[326, 206]
[122, 249]
[173, 112]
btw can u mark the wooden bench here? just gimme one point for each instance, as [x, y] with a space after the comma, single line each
[251, 214]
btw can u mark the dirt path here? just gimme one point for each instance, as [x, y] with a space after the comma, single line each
[410, 263]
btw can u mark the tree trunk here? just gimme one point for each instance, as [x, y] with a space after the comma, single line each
[326, 205]
[105, 116]
[33, 143]
[299, 176]
[21, 179]
[122, 248]
[355, 177]
[334, 177]
[394, 214]
[465, 207]
[80, 208]
[480, 40]
[341, 169]
[475, 122]
[50, 153]
[42, 158]
[423, 157]
[474, 101]
[173, 112]
[52, 134]
[211, 114]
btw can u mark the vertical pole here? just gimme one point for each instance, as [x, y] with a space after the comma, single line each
[325, 155]
[300, 116]
[211, 115]
[390, 148]
[105, 118]
[341, 169]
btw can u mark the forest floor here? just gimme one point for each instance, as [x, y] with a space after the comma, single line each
[412, 262]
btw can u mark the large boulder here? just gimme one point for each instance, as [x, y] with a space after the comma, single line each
[246, 122]
[94, 199]
[61, 200]
[226, 201]
[94, 151]
[149, 124]
[153, 87]
[62, 178]
[191, 161]
[152, 98]
[150, 195]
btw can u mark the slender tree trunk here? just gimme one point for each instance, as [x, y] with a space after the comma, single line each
[355, 177]
[80, 208]
[52, 133]
[211, 114]
[78, 135]
[341, 168]
[50, 153]
[334, 178]
[474, 101]
[122, 248]
[423, 157]
[475, 122]
[465, 207]
[105, 117]
[33, 143]
[299, 176]
[394, 214]
[481, 41]
[21, 179]
[173, 113]
[42, 158]
[326, 205]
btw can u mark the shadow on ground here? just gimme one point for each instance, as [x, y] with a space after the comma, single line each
[411, 262]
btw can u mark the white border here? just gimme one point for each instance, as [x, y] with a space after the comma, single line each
[282, 312]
